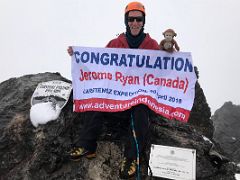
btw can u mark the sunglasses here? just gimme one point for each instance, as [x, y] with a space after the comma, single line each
[138, 19]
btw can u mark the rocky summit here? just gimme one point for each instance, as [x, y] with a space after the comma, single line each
[226, 123]
[29, 153]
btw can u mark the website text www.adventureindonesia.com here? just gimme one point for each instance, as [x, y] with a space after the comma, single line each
[115, 105]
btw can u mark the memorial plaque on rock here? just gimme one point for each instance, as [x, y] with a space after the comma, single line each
[172, 162]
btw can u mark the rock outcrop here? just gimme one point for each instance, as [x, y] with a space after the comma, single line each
[31, 153]
[201, 113]
[226, 123]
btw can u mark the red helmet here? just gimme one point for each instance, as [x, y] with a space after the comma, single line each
[135, 6]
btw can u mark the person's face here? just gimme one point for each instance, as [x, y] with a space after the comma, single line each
[135, 22]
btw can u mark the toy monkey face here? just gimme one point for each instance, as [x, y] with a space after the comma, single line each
[168, 36]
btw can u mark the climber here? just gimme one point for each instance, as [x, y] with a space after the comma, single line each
[134, 38]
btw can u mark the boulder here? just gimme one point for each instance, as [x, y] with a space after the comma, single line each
[31, 153]
[226, 123]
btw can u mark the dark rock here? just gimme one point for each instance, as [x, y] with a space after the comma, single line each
[38, 153]
[227, 122]
[200, 116]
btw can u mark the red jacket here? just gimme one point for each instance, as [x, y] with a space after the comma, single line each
[121, 42]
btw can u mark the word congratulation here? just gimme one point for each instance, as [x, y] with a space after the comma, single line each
[132, 60]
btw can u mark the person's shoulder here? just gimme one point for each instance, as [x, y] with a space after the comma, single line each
[148, 37]
[119, 41]
[151, 43]
[119, 37]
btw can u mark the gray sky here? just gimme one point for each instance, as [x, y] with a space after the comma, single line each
[34, 36]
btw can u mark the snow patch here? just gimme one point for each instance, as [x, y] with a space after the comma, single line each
[237, 176]
[42, 113]
[206, 139]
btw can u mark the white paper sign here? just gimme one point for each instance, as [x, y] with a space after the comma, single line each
[55, 91]
[173, 163]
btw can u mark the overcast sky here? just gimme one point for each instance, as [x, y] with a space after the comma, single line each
[34, 36]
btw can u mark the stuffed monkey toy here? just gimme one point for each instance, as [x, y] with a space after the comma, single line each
[168, 43]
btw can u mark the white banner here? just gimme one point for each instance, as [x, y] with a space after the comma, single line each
[115, 79]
